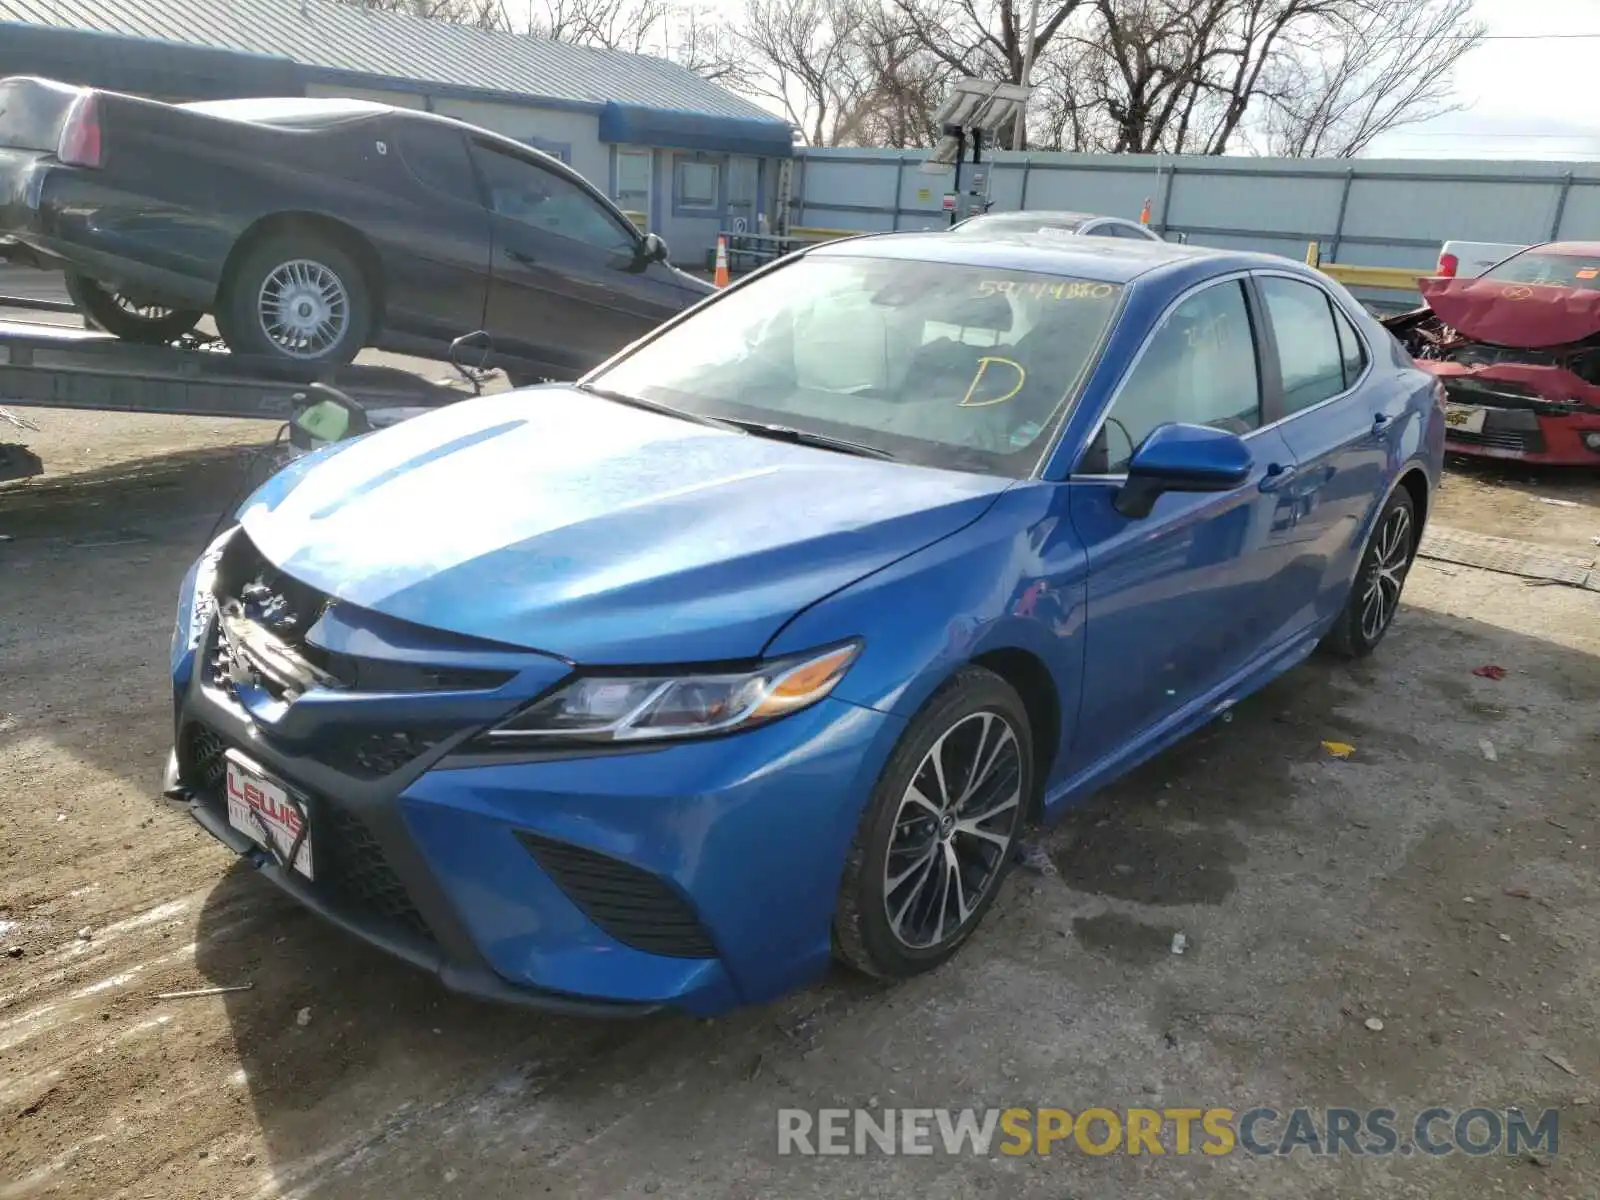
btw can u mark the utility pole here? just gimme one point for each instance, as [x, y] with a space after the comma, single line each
[1019, 130]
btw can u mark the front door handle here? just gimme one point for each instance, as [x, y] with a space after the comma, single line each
[1277, 478]
[522, 259]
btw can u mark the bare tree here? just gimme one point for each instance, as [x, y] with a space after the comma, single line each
[1201, 76]
[479, 14]
[694, 36]
[1392, 72]
[906, 84]
[629, 25]
[807, 56]
[984, 39]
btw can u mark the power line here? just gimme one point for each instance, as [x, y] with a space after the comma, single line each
[1469, 133]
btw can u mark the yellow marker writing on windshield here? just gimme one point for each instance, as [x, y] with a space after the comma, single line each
[983, 369]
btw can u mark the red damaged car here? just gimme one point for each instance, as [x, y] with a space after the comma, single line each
[1518, 351]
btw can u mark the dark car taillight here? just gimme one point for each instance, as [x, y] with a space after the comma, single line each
[80, 136]
[1449, 264]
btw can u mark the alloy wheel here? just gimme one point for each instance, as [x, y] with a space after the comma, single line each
[304, 308]
[953, 830]
[1391, 558]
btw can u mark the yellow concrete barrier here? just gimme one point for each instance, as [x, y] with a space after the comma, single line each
[1399, 279]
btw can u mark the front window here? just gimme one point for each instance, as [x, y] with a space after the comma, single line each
[1543, 268]
[965, 367]
[532, 195]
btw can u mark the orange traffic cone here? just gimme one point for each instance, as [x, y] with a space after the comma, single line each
[1144, 213]
[720, 279]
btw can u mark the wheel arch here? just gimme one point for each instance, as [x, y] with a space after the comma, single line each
[1415, 480]
[1026, 672]
[343, 234]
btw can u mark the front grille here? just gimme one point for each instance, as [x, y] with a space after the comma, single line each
[374, 755]
[637, 908]
[260, 595]
[352, 872]
[1526, 441]
[359, 874]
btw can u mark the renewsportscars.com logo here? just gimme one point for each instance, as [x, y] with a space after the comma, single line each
[1377, 1132]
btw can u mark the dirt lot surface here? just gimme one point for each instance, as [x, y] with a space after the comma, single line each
[1448, 893]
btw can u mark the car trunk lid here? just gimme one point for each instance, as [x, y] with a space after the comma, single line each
[34, 112]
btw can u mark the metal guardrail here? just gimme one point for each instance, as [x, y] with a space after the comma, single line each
[1398, 279]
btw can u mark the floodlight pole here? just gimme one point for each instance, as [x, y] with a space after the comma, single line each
[957, 131]
[1019, 128]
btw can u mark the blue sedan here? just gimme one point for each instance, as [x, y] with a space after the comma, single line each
[761, 646]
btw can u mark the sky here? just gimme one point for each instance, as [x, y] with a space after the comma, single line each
[1527, 92]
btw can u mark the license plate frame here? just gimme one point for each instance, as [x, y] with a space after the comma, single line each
[1464, 418]
[268, 812]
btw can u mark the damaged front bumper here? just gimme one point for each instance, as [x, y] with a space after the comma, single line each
[1531, 405]
[1518, 411]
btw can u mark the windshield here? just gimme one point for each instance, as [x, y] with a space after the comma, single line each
[964, 367]
[1549, 270]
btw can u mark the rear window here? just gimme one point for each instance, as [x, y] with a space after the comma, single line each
[1542, 268]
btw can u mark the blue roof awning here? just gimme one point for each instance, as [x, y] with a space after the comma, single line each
[639, 125]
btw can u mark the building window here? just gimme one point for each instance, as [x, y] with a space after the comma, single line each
[696, 184]
[561, 150]
[633, 182]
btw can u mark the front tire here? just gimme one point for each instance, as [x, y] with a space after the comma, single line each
[1375, 593]
[937, 837]
[146, 324]
[297, 296]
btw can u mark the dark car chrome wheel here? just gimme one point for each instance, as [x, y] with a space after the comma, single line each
[303, 308]
[297, 295]
[127, 318]
[1375, 593]
[937, 837]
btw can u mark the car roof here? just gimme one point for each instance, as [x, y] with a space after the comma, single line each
[1103, 259]
[287, 109]
[1570, 249]
[1029, 216]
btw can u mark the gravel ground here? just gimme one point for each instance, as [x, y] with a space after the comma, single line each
[1418, 882]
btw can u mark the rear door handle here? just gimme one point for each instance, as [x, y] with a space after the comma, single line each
[1277, 478]
[1379, 420]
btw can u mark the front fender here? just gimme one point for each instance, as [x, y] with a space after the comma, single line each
[1014, 580]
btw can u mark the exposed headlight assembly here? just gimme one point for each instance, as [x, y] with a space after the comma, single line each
[640, 707]
[203, 602]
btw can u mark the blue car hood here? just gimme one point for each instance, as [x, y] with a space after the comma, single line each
[554, 520]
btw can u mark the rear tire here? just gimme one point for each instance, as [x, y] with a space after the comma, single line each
[149, 325]
[297, 296]
[936, 842]
[1375, 591]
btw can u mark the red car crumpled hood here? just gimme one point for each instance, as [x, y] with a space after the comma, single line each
[1527, 316]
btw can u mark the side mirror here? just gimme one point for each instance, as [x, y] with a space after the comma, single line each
[470, 355]
[655, 248]
[472, 351]
[1182, 458]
